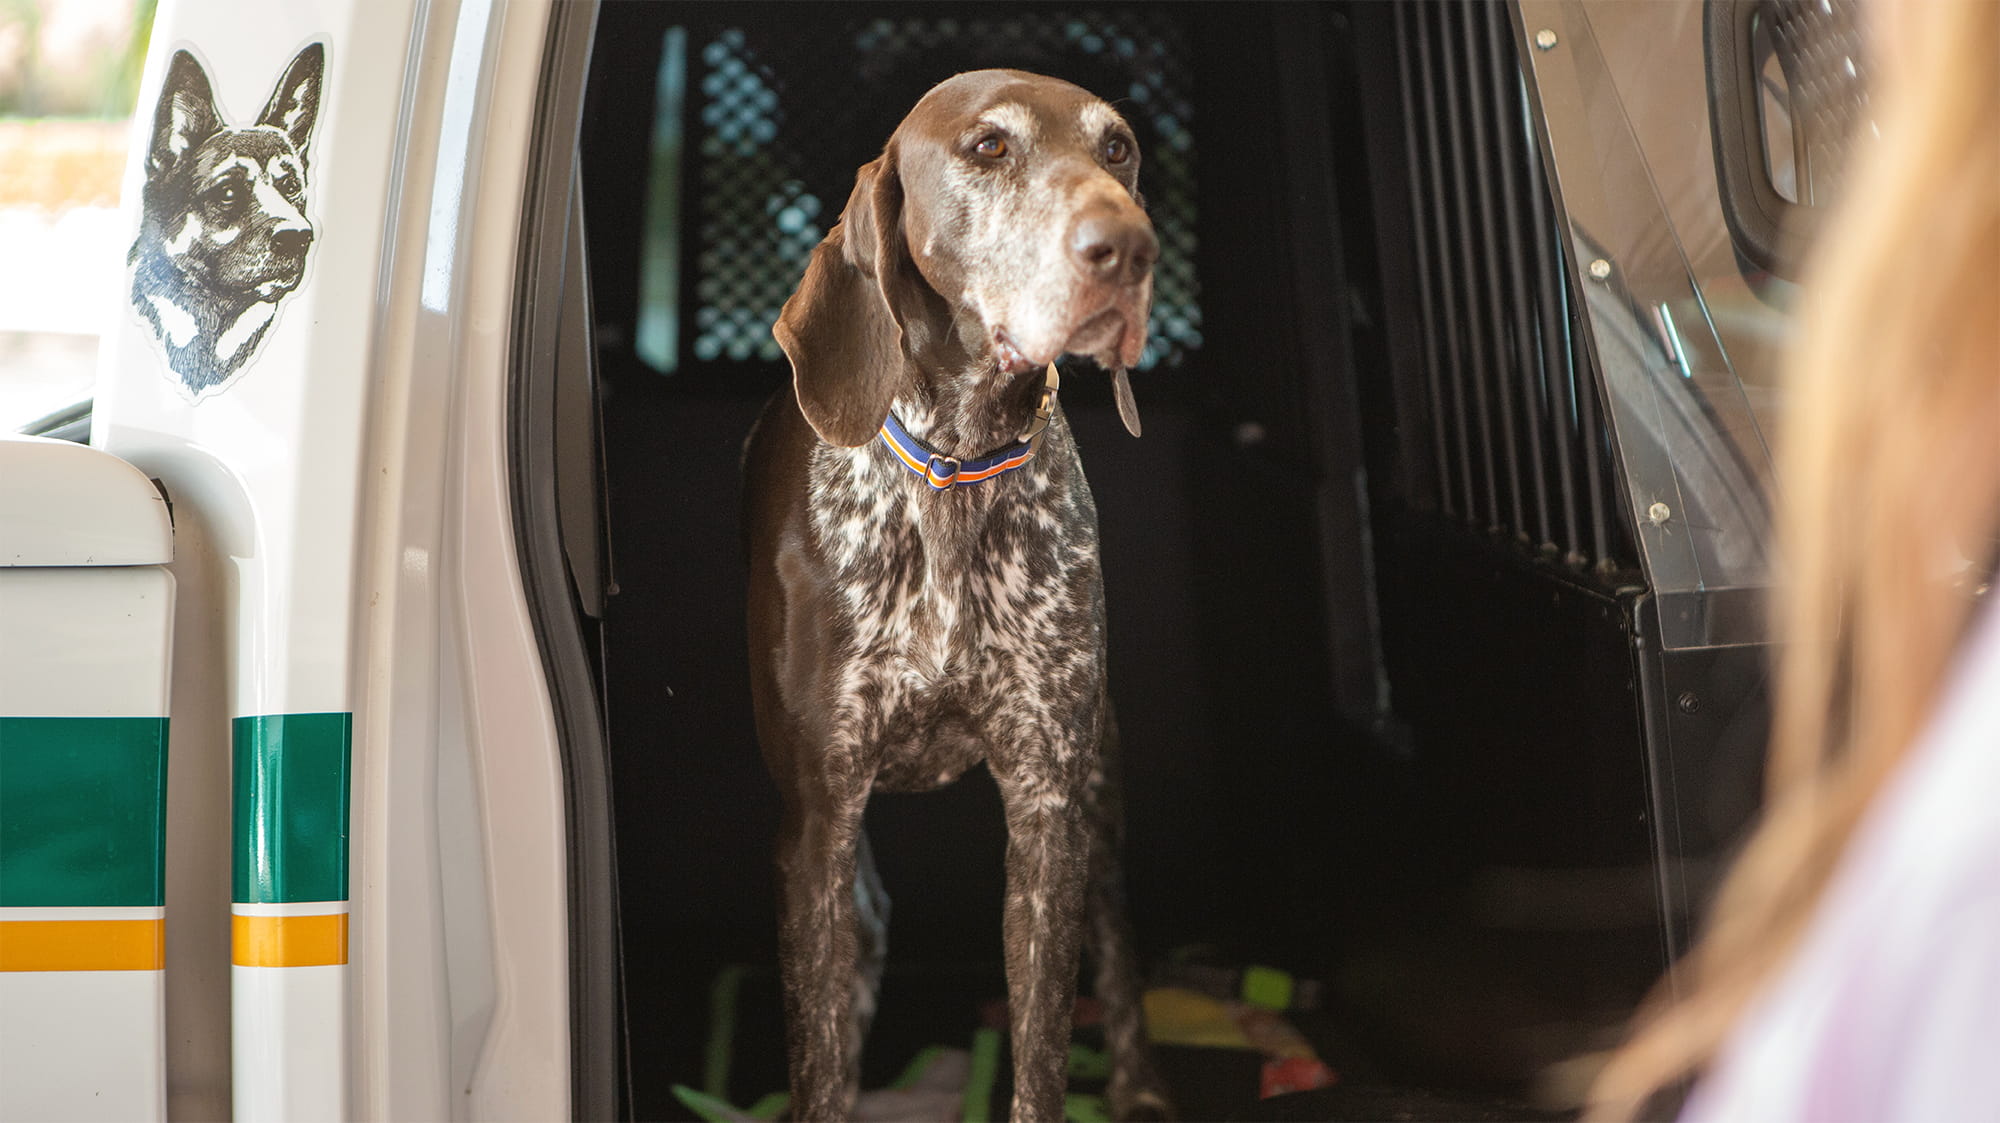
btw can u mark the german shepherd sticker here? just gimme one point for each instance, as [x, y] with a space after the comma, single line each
[223, 232]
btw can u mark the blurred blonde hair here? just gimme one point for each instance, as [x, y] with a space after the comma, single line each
[1889, 474]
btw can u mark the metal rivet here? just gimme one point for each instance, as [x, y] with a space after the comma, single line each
[1688, 702]
[1545, 39]
[1600, 270]
[1659, 513]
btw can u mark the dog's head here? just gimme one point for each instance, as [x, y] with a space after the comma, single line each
[224, 207]
[1007, 201]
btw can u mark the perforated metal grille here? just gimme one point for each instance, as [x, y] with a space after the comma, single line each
[1819, 43]
[786, 117]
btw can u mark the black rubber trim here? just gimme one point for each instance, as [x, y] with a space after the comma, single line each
[1757, 215]
[549, 279]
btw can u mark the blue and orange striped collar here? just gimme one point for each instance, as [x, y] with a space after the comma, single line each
[946, 472]
[943, 472]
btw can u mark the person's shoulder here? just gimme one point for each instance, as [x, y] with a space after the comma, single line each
[1890, 1006]
[1939, 810]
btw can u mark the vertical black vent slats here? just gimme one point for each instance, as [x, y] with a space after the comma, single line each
[1425, 247]
[1553, 347]
[1460, 281]
[1480, 62]
[1515, 422]
[1530, 381]
[1437, 269]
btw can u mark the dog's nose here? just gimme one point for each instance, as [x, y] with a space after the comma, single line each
[1114, 247]
[291, 239]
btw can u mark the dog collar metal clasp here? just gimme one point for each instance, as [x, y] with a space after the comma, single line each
[1045, 407]
[946, 472]
[942, 471]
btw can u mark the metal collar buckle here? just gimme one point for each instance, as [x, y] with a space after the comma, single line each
[939, 479]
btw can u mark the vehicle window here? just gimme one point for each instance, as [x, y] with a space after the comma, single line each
[69, 76]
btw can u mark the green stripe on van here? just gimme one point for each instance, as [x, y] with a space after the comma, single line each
[291, 807]
[83, 811]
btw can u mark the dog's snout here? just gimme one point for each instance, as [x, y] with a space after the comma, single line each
[1114, 247]
[291, 239]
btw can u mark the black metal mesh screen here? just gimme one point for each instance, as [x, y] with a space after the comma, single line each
[786, 113]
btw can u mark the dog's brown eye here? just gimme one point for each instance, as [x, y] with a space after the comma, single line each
[229, 197]
[1117, 150]
[991, 147]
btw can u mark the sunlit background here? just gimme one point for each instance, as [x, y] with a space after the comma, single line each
[69, 75]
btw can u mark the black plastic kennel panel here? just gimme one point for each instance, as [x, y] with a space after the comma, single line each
[1432, 582]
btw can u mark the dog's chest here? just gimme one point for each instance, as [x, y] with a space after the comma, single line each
[960, 610]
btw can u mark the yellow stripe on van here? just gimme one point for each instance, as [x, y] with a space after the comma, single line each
[82, 945]
[288, 941]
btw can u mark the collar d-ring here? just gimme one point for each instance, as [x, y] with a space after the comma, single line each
[1045, 406]
[946, 472]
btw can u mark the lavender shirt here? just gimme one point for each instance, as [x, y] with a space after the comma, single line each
[1890, 1009]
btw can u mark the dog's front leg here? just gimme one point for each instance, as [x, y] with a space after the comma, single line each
[819, 948]
[1048, 846]
[1135, 1091]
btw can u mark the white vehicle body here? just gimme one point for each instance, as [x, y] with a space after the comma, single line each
[349, 635]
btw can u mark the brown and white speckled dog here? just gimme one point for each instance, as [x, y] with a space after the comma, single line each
[906, 623]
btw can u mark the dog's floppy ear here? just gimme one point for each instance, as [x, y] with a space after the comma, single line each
[294, 105]
[186, 114]
[844, 328]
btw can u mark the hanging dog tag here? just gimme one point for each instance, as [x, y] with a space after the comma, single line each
[1128, 410]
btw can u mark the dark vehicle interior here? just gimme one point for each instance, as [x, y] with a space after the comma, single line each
[1381, 623]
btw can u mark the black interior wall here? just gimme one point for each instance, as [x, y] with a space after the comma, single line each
[1247, 798]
